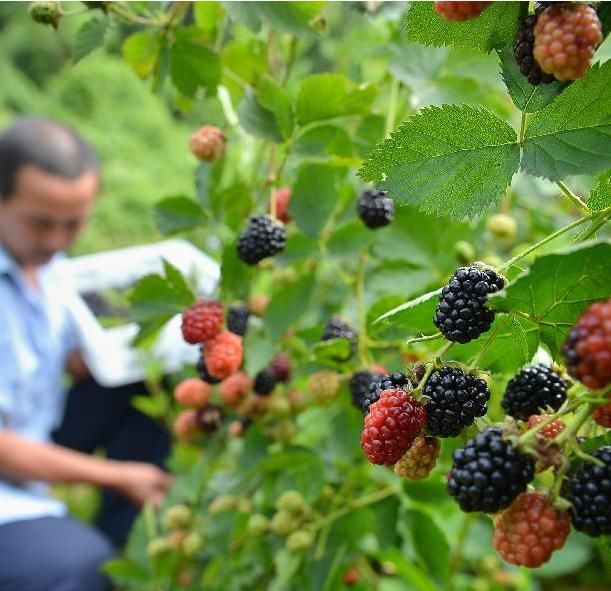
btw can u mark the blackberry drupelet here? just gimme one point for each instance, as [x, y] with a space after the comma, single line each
[237, 319]
[375, 209]
[590, 493]
[523, 52]
[489, 473]
[456, 399]
[532, 391]
[461, 314]
[262, 238]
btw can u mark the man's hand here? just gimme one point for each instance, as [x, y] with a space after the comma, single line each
[141, 482]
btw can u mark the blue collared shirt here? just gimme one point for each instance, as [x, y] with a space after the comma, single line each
[37, 333]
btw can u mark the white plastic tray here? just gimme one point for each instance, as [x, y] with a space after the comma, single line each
[111, 359]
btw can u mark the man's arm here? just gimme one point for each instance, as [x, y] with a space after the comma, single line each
[22, 460]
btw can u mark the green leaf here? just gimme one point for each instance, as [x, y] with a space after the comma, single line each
[350, 239]
[153, 406]
[192, 64]
[161, 296]
[207, 15]
[141, 51]
[510, 344]
[287, 304]
[495, 28]
[274, 98]
[452, 161]
[324, 140]
[256, 119]
[407, 570]
[426, 534]
[416, 316]
[559, 287]
[292, 17]
[261, 350]
[600, 197]
[573, 557]
[235, 274]
[331, 350]
[175, 214]
[125, 571]
[246, 13]
[89, 36]
[572, 135]
[526, 96]
[315, 196]
[325, 96]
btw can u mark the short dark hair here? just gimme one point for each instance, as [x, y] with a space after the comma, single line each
[46, 144]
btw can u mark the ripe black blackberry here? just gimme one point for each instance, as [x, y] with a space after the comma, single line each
[375, 208]
[391, 381]
[336, 328]
[461, 314]
[590, 493]
[523, 50]
[237, 319]
[489, 473]
[265, 381]
[359, 386]
[532, 391]
[203, 372]
[455, 401]
[264, 237]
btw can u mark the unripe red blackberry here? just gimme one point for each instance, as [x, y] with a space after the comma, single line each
[209, 418]
[530, 530]
[262, 238]
[587, 349]
[281, 365]
[207, 143]
[602, 415]
[460, 11]
[391, 426]
[283, 199]
[202, 321]
[566, 37]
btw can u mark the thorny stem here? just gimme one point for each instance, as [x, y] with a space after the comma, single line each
[581, 416]
[431, 337]
[596, 225]
[576, 201]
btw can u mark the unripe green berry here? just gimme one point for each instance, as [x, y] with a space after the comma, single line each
[244, 505]
[192, 543]
[300, 541]
[291, 501]
[279, 405]
[177, 517]
[502, 226]
[46, 13]
[222, 504]
[283, 523]
[257, 525]
[158, 547]
[464, 252]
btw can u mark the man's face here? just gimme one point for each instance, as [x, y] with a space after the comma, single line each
[44, 214]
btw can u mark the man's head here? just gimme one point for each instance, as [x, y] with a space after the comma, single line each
[49, 178]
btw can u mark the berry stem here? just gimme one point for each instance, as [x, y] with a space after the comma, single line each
[549, 238]
[392, 107]
[444, 349]
[532, 432]
[596, 225]
[581, 416]
[574, 199]
[431, 337]
[487, 344]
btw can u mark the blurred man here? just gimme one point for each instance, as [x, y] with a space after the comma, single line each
[49, 178]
